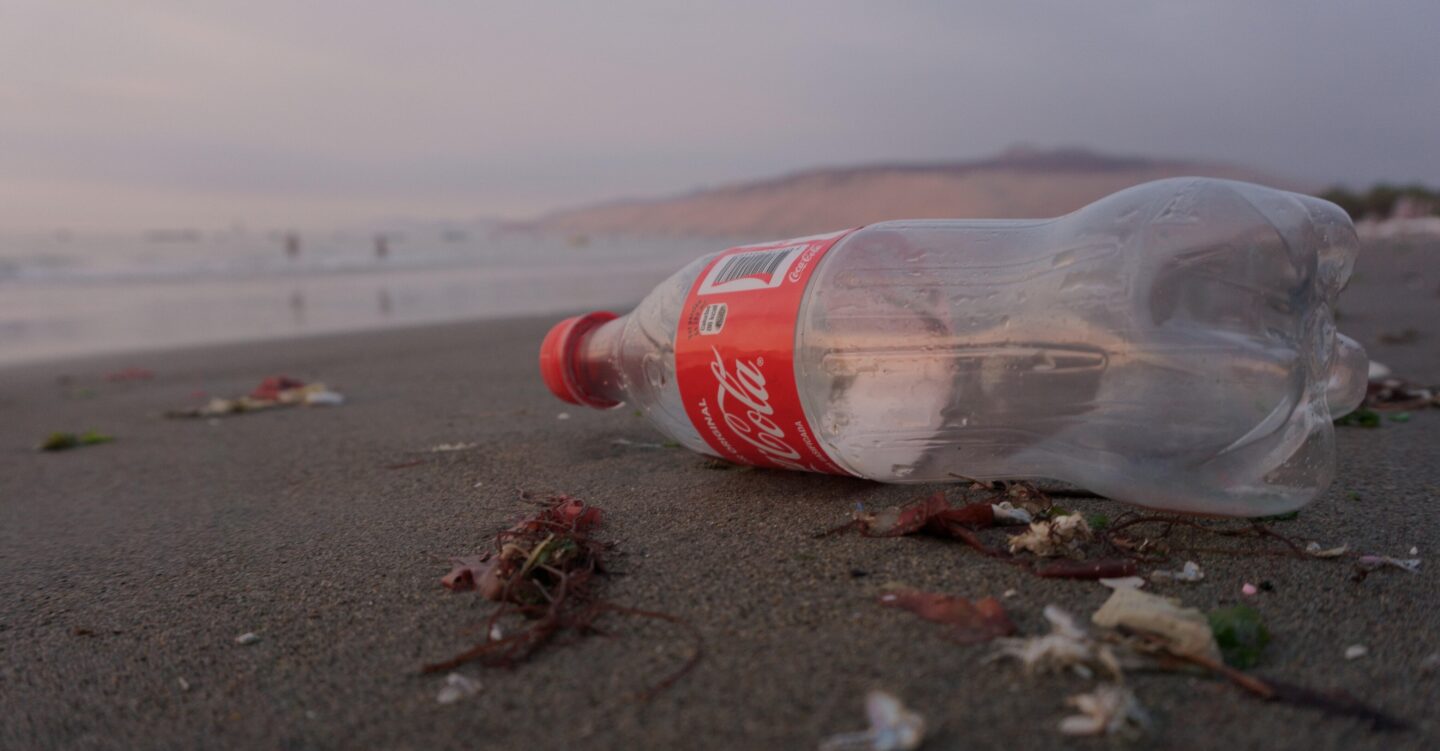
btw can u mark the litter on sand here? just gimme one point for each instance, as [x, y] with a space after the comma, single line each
[457, 687]
[1184, 631]
[1374, 562]
[1069, 568]
[545, 570]
[1356, 651]
[1049, 538]
[467, 573]
[1240, 633]
[1190, 572]
[272, 393]
[1314, 550]
[893, 727]
[445, 448]
[66, 441]
[932, 514]
[1391, 394]
[1143, 631]
[1007, 513]
[130, 374]
[970, 622]
[1111, 709]
[1124, 582]
[1068, 646]
[247, 638]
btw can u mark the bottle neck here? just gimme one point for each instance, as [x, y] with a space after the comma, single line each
[596, 364]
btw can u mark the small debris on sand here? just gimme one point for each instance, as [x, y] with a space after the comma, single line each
[1184, 631]
[1068, 646]
[1314, 550]
[65, 441]
[130, 374]
[1067, 568]
[1190, 572]
[971, 622]
[1111, 709]
[272, 393]
[1007, 513]
[1356, 651]
[1373, 562]
[457, 687]
[545, 569]
[444, 448]
[1240, 633]
[893, 727]
[248, 638]
[1050, 538]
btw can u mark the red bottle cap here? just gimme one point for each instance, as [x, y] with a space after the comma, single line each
[558, 362]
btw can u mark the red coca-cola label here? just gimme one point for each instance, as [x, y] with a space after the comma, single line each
[735, 355]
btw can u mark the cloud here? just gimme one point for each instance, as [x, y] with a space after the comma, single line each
[322, 111]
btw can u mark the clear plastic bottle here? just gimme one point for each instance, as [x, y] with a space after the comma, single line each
[1172, 345]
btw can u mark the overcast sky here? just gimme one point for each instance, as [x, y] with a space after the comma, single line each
[194, 113]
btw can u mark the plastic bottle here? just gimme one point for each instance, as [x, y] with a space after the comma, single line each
[1172, 345]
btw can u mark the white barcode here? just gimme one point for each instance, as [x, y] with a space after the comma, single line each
[760, 269]
[760, 264]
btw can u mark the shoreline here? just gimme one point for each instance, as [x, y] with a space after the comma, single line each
[117, 358]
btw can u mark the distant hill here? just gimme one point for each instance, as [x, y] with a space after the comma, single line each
[1018, 183]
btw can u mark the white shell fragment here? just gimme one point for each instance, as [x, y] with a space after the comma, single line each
[1111, 709]
[1190, 572]
[457, 687]
[893, 727]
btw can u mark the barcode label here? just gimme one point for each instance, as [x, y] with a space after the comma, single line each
[760, 264]
[759, 269]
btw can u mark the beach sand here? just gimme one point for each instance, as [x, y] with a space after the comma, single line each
[130, 568]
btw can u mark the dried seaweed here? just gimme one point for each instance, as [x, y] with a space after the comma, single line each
[544, 569]
[1241, 634]
[1338, 703]
[932, 515]
[1107, 568]
[970, 622]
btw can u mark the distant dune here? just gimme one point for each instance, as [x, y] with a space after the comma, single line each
[1016, 184]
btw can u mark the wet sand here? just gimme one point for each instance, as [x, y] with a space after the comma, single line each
[128, 567]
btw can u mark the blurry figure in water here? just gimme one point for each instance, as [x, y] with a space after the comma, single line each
[297, 307]
[382, 247]
[384, 303]
[292, 245]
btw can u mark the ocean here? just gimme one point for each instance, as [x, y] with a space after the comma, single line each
[66, 294]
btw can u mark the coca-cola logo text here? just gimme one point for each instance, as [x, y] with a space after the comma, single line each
[751, 422]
